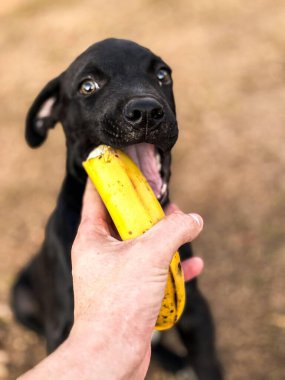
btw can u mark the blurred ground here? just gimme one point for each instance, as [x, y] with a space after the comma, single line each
[228, 58]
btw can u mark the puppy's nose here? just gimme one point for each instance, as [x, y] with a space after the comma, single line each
[141, 111]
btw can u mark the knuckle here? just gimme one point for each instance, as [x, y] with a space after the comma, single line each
[187, 226]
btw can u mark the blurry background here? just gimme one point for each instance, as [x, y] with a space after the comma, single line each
[228, 59]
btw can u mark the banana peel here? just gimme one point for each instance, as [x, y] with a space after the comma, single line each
[134, 209]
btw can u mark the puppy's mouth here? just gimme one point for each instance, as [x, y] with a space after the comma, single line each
[154, 164]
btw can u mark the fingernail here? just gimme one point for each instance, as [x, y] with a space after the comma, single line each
[197, 219]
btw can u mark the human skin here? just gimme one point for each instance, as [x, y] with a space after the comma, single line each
[118, 289]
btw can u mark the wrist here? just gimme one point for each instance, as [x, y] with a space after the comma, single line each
[110, 352]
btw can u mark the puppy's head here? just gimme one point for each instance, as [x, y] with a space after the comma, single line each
[115, 93]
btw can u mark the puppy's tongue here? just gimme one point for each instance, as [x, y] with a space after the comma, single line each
[144, 155]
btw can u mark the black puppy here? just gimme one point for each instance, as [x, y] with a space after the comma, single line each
[120, 94]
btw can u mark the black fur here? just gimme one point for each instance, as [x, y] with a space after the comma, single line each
[126, 73]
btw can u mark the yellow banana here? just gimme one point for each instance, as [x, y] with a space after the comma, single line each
[134, 209]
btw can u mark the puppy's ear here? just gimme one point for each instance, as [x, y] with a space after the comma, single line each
[43, 113]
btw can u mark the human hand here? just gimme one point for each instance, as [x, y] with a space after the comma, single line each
[119, 285]
[118, 289]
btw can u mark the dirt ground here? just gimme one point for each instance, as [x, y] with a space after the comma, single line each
[228, 58]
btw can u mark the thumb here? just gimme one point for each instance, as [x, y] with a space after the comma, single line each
[94, 216]
[163, 239]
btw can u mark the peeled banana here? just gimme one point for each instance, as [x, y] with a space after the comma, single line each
[134, 209]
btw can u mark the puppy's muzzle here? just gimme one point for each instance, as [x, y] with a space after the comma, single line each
[143, 112]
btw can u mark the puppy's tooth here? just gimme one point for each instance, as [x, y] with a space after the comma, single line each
[158, 161]
[163, 188]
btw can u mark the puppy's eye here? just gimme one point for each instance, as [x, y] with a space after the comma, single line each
[88, 87]
[163, 76]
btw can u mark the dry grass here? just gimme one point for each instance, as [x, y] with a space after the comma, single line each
[228, 58]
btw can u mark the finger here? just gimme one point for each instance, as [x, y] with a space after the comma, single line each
[192, 267]
[94, 216]
[162, 240]
[170, 208]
